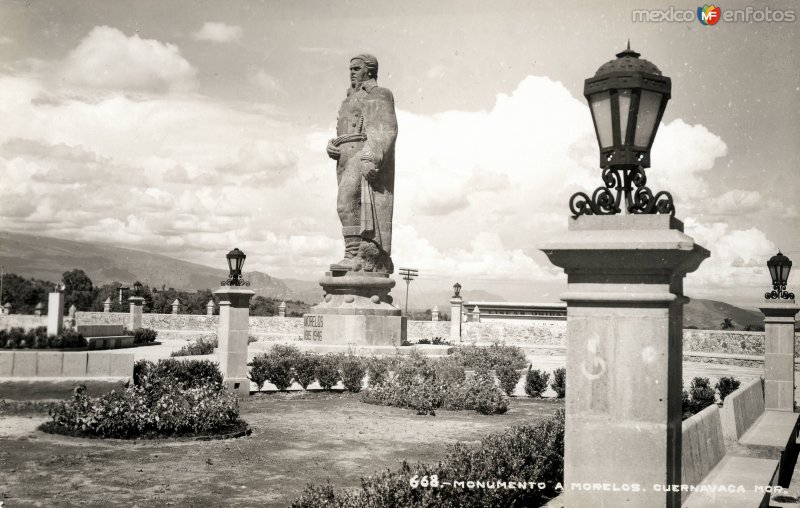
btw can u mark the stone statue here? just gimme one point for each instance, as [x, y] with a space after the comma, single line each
[364, 150]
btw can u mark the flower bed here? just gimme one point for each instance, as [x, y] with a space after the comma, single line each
[37, 338]
[167, 399]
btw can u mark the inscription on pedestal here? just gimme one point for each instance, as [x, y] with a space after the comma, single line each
[312, 327]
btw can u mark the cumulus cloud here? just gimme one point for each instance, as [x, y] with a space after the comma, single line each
[108, 59]
[218, 32]
[265, 81]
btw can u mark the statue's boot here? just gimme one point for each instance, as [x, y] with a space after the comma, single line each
[351, 245]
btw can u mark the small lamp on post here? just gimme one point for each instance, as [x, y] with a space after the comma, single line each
[235, 263]
[627, 98]
[456, 290]
[779, 267]
[137, 288]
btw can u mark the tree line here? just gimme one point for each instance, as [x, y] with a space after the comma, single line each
[24, 294]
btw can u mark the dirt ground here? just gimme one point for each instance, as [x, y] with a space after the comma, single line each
[297, 438]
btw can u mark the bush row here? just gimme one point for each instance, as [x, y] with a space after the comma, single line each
[143, 335]
[536, 382]
[168, 398]
[489, 357]
[37, 338]
[701, 395]
[202, 346]
[521, 454]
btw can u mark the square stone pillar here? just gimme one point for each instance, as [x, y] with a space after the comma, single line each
[455, 318]
[624, 356]
[107, 305]
[136, 312]
[55, 313]
[435, 313]
[234, 326]
[779, 319]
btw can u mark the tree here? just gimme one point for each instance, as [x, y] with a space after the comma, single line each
[79, 290]
[727, 324]
[23, 294]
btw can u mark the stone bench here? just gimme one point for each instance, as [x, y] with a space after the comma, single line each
[105, 336]
[769, 434]
[705, 466]
[31, 374]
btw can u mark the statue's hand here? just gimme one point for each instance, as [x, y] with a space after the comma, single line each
[333, 151]
[369, 171]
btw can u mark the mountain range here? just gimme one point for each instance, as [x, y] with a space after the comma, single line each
[48, 258]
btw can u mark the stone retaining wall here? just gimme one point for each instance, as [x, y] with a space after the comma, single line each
[703, 445]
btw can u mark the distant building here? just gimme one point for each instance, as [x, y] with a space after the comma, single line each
[515, 311]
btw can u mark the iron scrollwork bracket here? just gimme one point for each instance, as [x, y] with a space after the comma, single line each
[779, 292]
[619, 184]
[234, 281]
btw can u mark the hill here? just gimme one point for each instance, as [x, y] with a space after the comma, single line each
[709, 314]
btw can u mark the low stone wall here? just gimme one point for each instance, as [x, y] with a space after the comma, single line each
[702, 444]
[22, 320]
[741, 409]
[72, 364]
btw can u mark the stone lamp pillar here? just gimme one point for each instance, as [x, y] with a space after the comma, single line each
[779, 319]
[456, 304]
[624, 353]
[136, 312]
[234, 324]
[282, 309]
[107, 305]
[210, 308]
[55, 313]
[435, 313]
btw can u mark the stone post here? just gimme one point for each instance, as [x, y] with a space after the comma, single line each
[72, 319]
[7, 308]
[136, 312]
[234, 325]
[624, 352]
[282, 309]
[55, 313]
[107, 305]
[435, 313]
[210, 308]
[476, 314]
[175, 306]
[455, 318]
[37, 311]
[779, 319]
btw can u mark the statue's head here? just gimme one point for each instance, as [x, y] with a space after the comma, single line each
[362, 68]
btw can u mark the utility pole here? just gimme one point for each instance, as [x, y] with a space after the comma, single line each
[408, 275]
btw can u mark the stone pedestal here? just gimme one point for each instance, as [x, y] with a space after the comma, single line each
[624, 353]
[136, 312]
[356, 310]
[55, 313]
[282, 309]
[779, 319]
[476, 314]
[210, 308]
[176, 305]
[456, 304]
[234, 325]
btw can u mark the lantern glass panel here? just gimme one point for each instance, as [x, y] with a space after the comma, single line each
[240, 262]
[624, 97]
[784, 268]
[773, 272]
[649, 105]
[601, 111]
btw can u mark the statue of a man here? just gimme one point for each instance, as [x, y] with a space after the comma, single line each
[364, 150]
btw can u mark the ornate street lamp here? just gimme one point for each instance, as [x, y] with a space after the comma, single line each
[779, 267]
[235, 263]
[627, 97]
[456, 290]
[137, 288]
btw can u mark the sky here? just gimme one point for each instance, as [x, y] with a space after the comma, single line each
[188, 128]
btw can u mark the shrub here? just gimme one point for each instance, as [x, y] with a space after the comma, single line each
[259, 370]
[284, 351]
[202, 346]
[305, 369]
[449, 373]
[559, 384]
[187, 374]
[353, 372]
[144, 336]
[484, 396]
[701, 393]
[518, 454]
[725, 386]
[686, 405]
[424, 341]
[536, 382]
[438, 341]
[473, 357]
[37, 338]
[378, 369]
[327, 373]
[508, 377]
